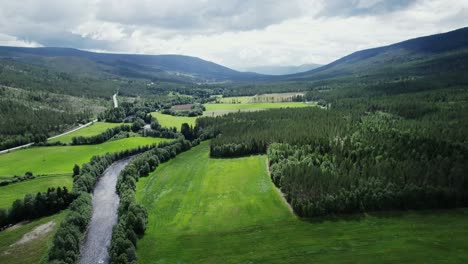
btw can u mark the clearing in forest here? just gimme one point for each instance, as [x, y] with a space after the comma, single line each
[204, 210]
[173, 121]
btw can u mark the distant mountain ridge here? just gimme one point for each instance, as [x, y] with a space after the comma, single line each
[133, 65]
[282, 70]
[415, 53]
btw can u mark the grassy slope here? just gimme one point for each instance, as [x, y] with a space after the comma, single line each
[30, 252]
[173, 121]
[205, 210]
[60, 159]
[89, 131]
[9, 193]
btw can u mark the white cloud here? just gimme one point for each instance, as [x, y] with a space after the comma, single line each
[6, 40]
[235, 33]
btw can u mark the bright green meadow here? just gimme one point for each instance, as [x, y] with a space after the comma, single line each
[9, 193]
[204, 210]
[60, 159]
[89, 131]
[173, 121]
[32, 251]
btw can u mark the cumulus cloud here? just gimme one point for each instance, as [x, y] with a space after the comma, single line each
[235, 33]
[200, 16]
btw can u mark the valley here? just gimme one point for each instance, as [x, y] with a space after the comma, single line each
[361, 160]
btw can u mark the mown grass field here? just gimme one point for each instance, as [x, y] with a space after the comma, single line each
[33, 251]
[9, 193]
[92, 130]
[205, 210]
[60, 159]
[173, 121]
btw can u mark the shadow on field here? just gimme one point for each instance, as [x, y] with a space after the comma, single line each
[384, 214]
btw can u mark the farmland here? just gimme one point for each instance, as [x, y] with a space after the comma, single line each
[60, 159]
[32, 251]
[89, 131]
[173, 121]
[205, 210]
[9, 193]
[220, 109]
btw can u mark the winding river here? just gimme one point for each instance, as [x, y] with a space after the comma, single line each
[105, 205]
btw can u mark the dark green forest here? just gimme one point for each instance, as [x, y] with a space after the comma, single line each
[406, 151]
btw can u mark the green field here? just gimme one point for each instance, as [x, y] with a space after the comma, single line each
[32, 251]
[9, 193]
[92, 130]
[205, 210]
[221, 109]
[173, 121]
[60, 159]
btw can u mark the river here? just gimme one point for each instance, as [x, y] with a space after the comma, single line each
[105, 205]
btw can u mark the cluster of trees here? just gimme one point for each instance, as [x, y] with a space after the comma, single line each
[161, 132]
[66, 243]
[132, 217]
[251, 133]
[35, 206]
[27, 176]
[101, 138]
[372, 170]
[189, 132]
[195, 110]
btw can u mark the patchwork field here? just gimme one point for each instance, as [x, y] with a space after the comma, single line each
[173, 121]
[60, 159]
[92, 130]
[220, 109]
[16, 248]
[204, 210]
[9, 193]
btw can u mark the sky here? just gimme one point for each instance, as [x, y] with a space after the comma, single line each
[235, 33]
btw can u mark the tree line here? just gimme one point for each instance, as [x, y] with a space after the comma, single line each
[195, 110]
[133, 217]
[36, 206]
[102, 137]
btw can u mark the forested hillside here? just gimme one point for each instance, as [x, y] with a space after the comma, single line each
[364, 154]
[27, 116]
[422, 64]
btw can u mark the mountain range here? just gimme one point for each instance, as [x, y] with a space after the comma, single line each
[435, 55]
